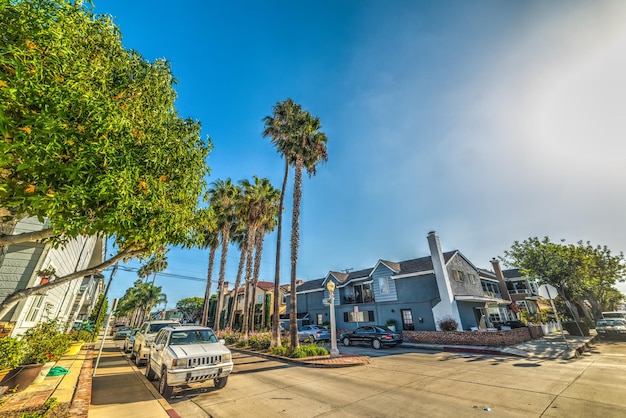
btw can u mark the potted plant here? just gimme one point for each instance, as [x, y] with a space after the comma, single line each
[46, 274]
[11, 353]
[391, 324]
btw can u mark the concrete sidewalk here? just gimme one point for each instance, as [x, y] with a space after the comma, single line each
[119, 389]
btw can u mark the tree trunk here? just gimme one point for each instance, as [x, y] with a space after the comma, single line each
[295, 242]
[207, 293]
[242, 260]
[258, 252]
[14, 298]
[220, 281]
[276, 340]
[248, 279]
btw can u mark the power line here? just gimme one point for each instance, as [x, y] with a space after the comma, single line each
[172, 275]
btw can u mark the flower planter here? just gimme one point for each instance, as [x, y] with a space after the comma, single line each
[44, 371]
[20, 378]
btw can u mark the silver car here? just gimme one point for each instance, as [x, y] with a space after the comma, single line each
[313, 333]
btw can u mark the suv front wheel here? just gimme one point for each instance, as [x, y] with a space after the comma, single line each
[165, 389]
[220, 382]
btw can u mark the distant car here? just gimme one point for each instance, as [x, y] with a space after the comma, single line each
[183, 354]
[614, 329]
[121, 333]
[130, 340]
[117, 327]
[312, 333]
[145, 337]
[614, 315]
[375, 335]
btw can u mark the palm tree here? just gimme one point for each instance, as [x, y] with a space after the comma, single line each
[212, 242]
[297, 136]
[255, 211]
[279, 128]
[224, 198]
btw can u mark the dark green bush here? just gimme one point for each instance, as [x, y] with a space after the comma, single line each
[448, 324]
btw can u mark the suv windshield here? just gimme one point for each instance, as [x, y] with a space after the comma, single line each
[154, 328]
[192, 337]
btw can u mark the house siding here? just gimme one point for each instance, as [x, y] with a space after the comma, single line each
[458, 263]
[379, 296]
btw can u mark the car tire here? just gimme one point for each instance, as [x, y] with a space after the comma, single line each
[150, 374]
[220, 382]
[137, 359]
[164, 389]
[346, 341]
[376, 344]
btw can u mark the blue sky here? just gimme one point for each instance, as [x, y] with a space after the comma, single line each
[486, 121]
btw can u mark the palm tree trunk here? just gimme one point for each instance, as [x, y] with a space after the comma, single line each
[220, 281]
[295, 242]
[246, 310]
[207, 293]
[242, 260]
[257, 266]
[276, 301]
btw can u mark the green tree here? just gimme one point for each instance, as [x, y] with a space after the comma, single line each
[239, 239]
[98, 313]
[297, 136]
[579, 271]
[91, 139]
[191, 308]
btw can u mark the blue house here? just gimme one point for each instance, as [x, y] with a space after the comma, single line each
[415, 293]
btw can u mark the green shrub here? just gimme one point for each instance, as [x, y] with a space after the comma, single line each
[260, 341]
[11, 352]
[45, 342]
[82, 335]
[279, 351]
[309, 350]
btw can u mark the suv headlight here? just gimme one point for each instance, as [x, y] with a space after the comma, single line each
[182, 362]
[226, 357]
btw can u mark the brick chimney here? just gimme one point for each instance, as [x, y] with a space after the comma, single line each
[500, 276]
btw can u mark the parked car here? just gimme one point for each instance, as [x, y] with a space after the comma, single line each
[614, 315]
[312, 333]
[121, 333]
[145, 337]
[183, 354]
[130, 340]
[611, 329]
[116, 327]
[375, 335]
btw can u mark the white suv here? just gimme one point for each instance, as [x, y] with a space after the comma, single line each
[145, 337]
[184, 354]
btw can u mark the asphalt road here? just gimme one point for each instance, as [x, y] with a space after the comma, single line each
[408, 383]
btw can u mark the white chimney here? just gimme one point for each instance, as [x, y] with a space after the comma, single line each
[447, 307]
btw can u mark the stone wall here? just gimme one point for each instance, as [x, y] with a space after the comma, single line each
[479, 338]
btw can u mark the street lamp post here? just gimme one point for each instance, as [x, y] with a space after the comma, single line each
[334, 352]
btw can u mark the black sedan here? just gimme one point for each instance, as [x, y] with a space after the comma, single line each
[375, 335]
[614, 329]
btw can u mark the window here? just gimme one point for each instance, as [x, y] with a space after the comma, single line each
[259, 299]
[35, 309]
[472, 278]
[407, 319]
[363, 293]
[361, 316]
[383, 283]
[458, 276]
[521, 304]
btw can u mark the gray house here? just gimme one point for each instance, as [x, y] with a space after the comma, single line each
[415, 293]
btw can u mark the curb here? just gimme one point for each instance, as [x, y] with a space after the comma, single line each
[318, 362]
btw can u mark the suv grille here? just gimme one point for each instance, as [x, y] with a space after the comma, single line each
[204, 361]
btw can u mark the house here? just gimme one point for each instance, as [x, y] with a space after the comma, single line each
[235, 299]
[524, 292]
[19, 264]
[416, 294]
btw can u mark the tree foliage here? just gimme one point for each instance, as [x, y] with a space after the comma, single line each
[89, 137]
[191, 308]
[579, 271]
